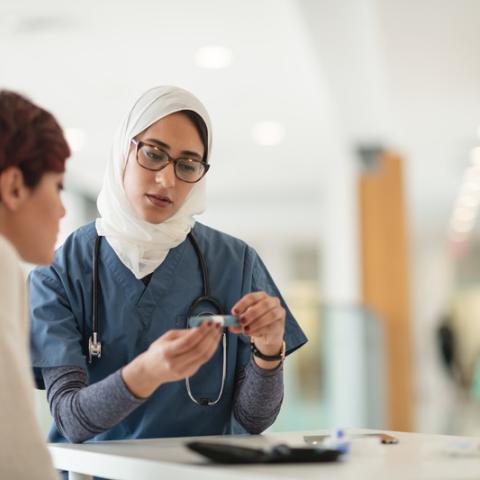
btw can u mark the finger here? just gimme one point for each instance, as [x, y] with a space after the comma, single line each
[189, 369]
[247, 301]
[200, 355]
[173, 334]
[195, 338]
[259, 309]
[273, 320]
[206, 342]
[235, 329]
[179, 332]
[189, 339]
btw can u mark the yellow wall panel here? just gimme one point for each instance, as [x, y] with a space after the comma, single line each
[385, 284]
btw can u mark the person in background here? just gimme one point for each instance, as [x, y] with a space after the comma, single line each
[33, 151]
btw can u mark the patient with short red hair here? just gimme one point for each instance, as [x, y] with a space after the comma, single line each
[33, 151]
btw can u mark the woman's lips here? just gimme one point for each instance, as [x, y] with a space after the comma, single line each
[159, 201]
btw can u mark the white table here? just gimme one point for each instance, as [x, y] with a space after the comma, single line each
[416, 456]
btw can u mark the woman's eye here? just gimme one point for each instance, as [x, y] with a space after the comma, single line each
[60, 187]
[154, 155]
[188, 167]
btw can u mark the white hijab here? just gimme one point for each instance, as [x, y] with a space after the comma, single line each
[143, 246]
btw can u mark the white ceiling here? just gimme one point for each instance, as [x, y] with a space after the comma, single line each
[87, 61]
[93, 62]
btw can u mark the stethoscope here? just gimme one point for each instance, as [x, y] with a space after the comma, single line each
[95, 345]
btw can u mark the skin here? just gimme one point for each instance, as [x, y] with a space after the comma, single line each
[179, 354]
[179, 136]
[30, 217]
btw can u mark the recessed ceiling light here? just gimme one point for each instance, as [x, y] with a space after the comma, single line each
[213, 57]
[76, 139]
[268, 133]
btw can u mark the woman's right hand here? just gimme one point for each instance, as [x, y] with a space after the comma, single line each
[176, 355]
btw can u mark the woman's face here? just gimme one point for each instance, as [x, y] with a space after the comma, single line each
[31, 217]
[157, 196]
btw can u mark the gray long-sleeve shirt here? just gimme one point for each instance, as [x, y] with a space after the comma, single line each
[82, 411]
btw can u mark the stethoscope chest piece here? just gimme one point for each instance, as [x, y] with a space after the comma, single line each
[94, 347]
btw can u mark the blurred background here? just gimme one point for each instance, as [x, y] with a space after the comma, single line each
[346, 152]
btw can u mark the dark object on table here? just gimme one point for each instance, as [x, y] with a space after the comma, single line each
[223, 453]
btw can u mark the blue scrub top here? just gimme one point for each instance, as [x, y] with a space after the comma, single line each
[132, 316]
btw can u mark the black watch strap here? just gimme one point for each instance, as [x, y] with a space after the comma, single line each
[269, 358]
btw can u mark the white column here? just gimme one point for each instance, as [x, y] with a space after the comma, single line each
[344, 325]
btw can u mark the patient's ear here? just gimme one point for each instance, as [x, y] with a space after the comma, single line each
[13, 191]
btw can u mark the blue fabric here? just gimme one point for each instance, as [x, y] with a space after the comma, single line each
[132, 316]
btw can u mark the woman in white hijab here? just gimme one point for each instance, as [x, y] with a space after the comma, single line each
[140, 371]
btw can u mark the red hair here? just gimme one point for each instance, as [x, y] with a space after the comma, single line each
[30, 139]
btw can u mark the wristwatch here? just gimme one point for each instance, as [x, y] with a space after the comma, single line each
[268, 358]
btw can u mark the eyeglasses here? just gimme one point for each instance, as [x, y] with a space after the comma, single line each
[152, 157]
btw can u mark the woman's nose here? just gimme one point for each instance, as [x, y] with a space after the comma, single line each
[166, 176]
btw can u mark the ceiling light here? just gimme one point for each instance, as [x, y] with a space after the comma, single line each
[213, 57]
[75, 138]
[268, 133]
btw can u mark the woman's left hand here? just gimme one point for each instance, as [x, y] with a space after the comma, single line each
[262, 317]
